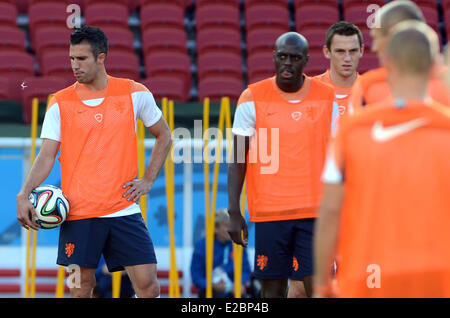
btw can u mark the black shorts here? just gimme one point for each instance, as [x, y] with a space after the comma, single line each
[124, 241]
[283, 249]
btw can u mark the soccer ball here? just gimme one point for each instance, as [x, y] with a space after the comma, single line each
[50, 204]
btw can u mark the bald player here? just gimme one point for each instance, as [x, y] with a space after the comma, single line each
[289, 117]
[372, 86]
[385, 207]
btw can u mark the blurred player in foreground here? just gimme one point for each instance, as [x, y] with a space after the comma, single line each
[372, 86]
[344, 48]
[386, 206]
[93, 123]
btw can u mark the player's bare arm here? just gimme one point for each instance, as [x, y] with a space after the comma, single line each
[40, 170]
[163, 141]
[236, 176]
[325, 241]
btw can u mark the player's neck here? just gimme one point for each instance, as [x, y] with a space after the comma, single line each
[341, 81]
[409, 88]
[99, 82]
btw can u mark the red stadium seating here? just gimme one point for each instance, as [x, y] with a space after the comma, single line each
[4, 89]
[266, 15]
[222, 39]
[260, 66]
[262, 40]
[16, 66]
[57, 63]
[129, 5]
[123, 64]
[171, 87]
[162, 14]
[12, 38]
[349, 3]
[46, 15]
[119, 39]
[445, 5]
[317, 64]
[8, 14]
[181, 3]
[219, 64]
[39, 87]
[169, 63]
[316, 37]
[201, 3]
[314, 15]
[163, 38]
[217, 15]
[358, 15]
[369, 61]
[106, 14]
[332, 3]
[217, 87]
[431, 16]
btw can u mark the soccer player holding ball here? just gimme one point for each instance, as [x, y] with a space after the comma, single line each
[93, 124]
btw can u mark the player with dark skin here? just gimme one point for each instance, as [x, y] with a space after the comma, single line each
[290, 57]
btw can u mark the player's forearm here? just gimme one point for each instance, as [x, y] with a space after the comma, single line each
[160, 151]
[236, 171]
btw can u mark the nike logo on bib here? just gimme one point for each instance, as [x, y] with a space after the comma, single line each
[382, 134]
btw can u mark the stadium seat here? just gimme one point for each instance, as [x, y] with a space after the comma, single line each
[129, 5]
[201, 3]
[262, 40]
[369, 61]
[163, 38]
[220, 15]
[251, 3]
[16, 66]
[123, 64]
[314, 15]
[181, 3]
[317, 64]
[367, 38]
[169, 63]
[349, 3]
[260, 66]
[171, 87]
[332, 3]
[222, 39]
[57, 63]
[106, 14]
[4, 89]
[119, 39]
[46, 15]
[39, 87]
[48, 39]
[219, 64]
[358, 15]
[266, 15]
[12, 38]
[217, 87]
[431, 16]
[445, 5]
[162, 14]
[8, 14]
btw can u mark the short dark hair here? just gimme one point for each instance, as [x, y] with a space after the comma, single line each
[92, 35]
[343, 28]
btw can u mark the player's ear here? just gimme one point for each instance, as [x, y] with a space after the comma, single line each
[101, 58]
[326, 52]
[362, 50]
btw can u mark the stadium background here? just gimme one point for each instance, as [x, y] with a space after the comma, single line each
[185, 50]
